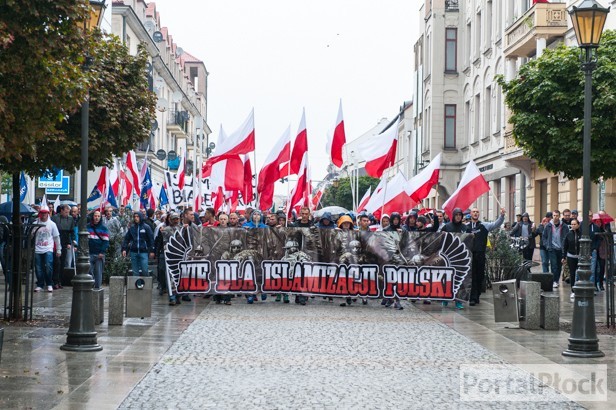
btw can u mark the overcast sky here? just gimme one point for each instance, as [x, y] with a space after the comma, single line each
[279, 56]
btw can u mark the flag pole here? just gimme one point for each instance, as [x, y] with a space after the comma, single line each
[496, 199]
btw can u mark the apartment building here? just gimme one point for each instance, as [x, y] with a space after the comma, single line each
[459, 107]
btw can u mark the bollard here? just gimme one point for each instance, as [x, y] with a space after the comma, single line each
[116, 300]
[98, 305]
[530, 312]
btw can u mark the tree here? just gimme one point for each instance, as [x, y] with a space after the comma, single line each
[547, 105]
[342, 195]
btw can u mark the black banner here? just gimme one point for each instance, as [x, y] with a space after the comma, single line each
[320, 262]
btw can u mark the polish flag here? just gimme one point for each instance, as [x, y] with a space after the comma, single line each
[394, 197]
[197, 194]
[380, 151]
[275, 167]
[300, 146]
[128, 189]
[316, 198]
[247, 190]
[336, 140]
[182, 173]
[133, 172]
[421, 184]
[242, 141]
[472, 186]
[300, 196]
[364, 200]
[114, 180]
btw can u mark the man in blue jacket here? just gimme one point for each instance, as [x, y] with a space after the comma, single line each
[139, 241]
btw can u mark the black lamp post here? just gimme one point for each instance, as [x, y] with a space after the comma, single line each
[588, 20]
[81, 335]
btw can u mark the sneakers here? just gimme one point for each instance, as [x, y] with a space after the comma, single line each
[572, 296]
[445, 303]
[427, 302]
[38, 289]
[285, 298]
[250, 299]
[398, 306]
[364, 301]
[459, 305]
[186, 298]
[263, 296]
[278, 297]
[555, 285]
[49, 289]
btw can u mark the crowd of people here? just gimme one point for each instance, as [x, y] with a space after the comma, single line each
[145, 235]
[559, 243]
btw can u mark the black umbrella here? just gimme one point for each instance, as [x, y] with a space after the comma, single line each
[6, 209]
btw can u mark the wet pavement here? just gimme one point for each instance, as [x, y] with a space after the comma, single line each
[190, 356]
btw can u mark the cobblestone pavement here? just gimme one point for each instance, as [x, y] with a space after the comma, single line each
[319, 356]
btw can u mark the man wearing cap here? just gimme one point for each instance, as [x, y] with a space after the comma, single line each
[46, 237]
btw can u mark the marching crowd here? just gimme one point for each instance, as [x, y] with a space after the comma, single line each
[144, 236]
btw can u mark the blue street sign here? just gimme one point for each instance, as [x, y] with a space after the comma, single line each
[51, 181]
[64, 189]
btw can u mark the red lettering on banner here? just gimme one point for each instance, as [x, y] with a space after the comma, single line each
[427, 282]
[231, 279]
[194, 276]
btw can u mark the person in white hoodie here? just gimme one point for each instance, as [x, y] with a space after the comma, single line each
[46, 238]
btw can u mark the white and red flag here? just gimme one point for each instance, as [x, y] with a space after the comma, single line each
[274, 168]
[300, 196]
[182, 173]
[421, 184]
[336, 140]
[197, 192]
[133, 172]
[380, 152]
[300, 147]
[247, 189]
[364, 201]
[472, 186]
[394, 197]
[240, 142]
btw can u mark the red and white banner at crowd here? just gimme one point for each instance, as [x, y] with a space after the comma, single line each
[319, 262]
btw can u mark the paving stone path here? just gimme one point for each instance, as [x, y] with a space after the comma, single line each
[271, 355]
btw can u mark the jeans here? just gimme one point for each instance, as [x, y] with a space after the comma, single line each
[573, 266]
[139, 263]
[545, 262]
[593, 265]
[556, 264]
[43, 266]
[97, 265]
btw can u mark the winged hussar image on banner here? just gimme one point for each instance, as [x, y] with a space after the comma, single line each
[320, 262]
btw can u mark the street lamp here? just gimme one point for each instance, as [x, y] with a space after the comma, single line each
[81, 335]
[588, 20]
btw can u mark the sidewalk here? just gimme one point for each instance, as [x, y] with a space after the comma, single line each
[265, 346]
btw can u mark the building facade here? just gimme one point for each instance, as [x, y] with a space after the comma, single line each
[459, 107]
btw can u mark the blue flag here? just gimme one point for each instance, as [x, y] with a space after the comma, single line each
[23, 187]
[146, 186]
[162, 197]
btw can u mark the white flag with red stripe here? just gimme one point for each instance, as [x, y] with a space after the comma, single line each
[380, 152]
[300, 196]
[197, 192]
[364, 200]
[133, 172]
[394, 197]
[336, 140]
[421, 184]
[182, 173]
[240, 142]
[472, 186]
[274, 168]
[300, 146]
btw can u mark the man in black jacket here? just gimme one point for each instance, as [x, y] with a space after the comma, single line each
[480, 231]
[66, 226]
[139, 242]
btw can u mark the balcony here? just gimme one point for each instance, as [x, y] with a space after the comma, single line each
[542, 20]
[177, 122]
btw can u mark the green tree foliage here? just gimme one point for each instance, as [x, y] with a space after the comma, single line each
[342, 196]
[44, 76]
[547, 105]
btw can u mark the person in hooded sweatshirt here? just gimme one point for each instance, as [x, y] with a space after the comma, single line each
[255, 220]
[326, 221]
[139, 242]
[395, 223]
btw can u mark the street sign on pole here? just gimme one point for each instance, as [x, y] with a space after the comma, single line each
[64, 189]
[51, 181]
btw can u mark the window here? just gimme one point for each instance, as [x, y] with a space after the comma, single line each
[487, 116]
[469, 49]
[477, 36]
[477, 130]
[450, 126]
[451, 50]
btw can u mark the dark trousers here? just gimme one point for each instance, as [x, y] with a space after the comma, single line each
[58, 266]
[556, 264]
[478, 275]
[527, 253]
[572, 263]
